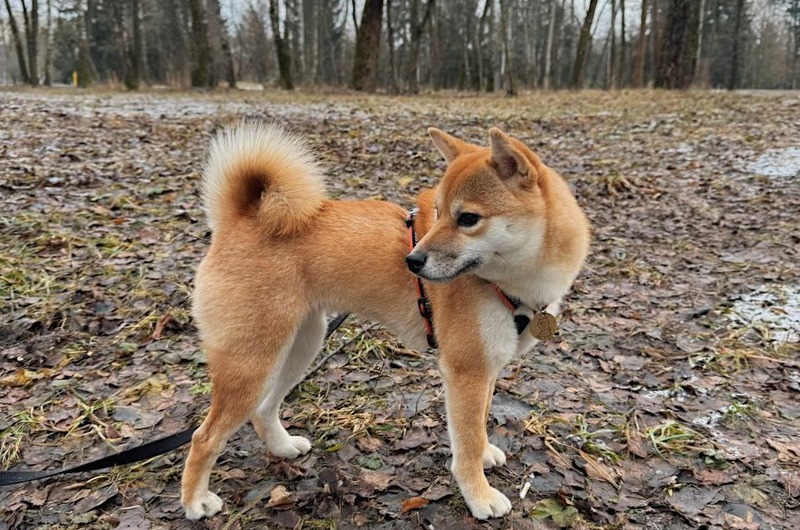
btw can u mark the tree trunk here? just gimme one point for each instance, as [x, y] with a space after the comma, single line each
[417, 27]
[548, 54]
[655, 39]
[85, 68]
[121, 42]
[201, 71]
[698, 59]
[511, 90]
[622, 65]
[679, 45]
[23, 65]
[284, 57]
[31, 21]
[225, 45]
[392, 63]
[583, 46]
[137, 49]
[292, 37]
[368, 45]
[310, 47]
[641, 49]
[733, 79]
[612, 52]
[48, 46]
[479, 35]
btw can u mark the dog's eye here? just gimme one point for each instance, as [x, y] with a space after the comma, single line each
[468, 219]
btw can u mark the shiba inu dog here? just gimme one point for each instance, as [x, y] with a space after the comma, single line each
[500, 225]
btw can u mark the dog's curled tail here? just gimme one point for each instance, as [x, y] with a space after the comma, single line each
[260, 171]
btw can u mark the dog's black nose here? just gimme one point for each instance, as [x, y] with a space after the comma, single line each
[415, 261]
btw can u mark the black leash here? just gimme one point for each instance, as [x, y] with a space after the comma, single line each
[129, 456]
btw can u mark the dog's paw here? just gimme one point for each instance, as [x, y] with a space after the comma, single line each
[290, 447]
[204, 505]
[493, 504]
[493, 456]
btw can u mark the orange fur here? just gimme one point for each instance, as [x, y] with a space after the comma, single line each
[283, 255]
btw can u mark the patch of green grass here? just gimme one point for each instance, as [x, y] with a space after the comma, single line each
[591, 441]
[673, 438]
[200, 389]
[740, 412]
[317, 524]
[14, 438]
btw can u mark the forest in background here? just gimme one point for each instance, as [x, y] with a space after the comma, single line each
[403, 46]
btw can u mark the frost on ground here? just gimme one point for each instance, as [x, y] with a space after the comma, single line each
[784, 162]
[771, 308]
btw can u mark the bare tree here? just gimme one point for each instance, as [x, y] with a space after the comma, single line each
[85, 67]
[622, 64]
[215, 15]
[281, 48]
[548, 54]
[733, 80]
[390, 42]
[23, 64]
[201, 71]
[511, 89]
[31, 20]
[612, 52]
[641, 49]
[678, 49]
[698, 62]
[368, 45]
[583, 47]
[480, 35]
[48, 46]
[417, 27]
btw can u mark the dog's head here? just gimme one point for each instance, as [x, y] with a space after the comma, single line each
[489, 210]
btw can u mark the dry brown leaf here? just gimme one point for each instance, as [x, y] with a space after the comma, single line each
[279, 496]
[414, 503]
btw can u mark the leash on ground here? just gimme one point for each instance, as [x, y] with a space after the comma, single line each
[129, 456]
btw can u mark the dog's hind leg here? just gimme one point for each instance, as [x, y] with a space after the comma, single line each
[238, 380]
[266, 419]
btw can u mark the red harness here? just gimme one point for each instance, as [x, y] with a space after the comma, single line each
[424, 305]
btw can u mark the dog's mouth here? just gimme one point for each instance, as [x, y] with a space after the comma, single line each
[468, 266]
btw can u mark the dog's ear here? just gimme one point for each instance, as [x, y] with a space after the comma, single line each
[450, 146]
[511, 165]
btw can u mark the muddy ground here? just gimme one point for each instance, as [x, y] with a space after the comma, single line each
[669, 400]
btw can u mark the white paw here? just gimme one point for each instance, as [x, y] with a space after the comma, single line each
[495, 504]
[290, 447]
[493, 456]
[204, 505]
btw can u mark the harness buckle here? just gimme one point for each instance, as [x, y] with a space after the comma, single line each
[424, 306]
[412, 213]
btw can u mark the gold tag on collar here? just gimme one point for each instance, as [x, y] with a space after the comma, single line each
[543, 326]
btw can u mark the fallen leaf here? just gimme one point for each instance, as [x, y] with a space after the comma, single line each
[414, 503]
[279, 496]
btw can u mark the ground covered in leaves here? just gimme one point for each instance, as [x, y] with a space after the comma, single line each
[669, 400]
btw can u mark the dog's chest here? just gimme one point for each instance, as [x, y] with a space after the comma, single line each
[498, 331]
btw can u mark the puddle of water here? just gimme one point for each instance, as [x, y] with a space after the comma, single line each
[778, 163]
[775, 307]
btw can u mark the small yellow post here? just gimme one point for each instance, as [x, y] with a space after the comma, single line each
[74, 78]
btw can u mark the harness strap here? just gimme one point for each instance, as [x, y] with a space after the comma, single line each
[423, 304]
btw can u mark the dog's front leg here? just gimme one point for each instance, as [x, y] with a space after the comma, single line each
[468, 389]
